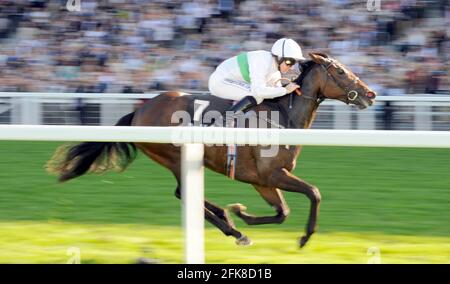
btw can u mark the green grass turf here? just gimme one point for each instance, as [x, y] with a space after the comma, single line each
[396, 199]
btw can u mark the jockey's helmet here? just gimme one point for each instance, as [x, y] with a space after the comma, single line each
[288, 50]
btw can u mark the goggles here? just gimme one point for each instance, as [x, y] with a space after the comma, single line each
[289, 61]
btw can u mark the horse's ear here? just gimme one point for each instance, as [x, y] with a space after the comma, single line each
[319, 58]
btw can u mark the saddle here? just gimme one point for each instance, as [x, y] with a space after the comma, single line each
[211, 111]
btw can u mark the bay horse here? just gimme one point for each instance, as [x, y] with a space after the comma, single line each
[322, 78]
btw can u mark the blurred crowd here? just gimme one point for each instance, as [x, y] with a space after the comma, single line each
[135, 46]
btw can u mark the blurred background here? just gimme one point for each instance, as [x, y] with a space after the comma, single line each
[93, 66]
[400, 49]
[141, 46]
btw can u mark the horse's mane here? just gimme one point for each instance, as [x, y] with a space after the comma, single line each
[305, 66]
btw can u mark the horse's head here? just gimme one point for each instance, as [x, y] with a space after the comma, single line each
[339, 83]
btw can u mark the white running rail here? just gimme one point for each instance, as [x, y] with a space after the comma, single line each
[193, 139]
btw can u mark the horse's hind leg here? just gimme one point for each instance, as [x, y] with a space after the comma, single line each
[213, 213]
[215, 209]
[274, 197]
[219, 218]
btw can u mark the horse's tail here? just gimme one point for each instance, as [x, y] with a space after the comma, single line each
[71, 161]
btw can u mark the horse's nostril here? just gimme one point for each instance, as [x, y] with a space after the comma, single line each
[371, 95]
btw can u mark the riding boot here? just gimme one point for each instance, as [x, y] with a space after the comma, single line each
[241, 106]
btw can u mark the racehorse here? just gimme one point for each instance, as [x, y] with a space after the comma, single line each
[322, 78]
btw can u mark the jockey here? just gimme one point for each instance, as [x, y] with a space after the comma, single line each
[253, 76]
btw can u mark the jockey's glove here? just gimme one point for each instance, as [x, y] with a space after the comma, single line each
[291, 87]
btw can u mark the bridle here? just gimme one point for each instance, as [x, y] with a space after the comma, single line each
[351, 93]
[349, 89]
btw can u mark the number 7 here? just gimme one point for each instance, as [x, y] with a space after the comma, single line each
[199, 107]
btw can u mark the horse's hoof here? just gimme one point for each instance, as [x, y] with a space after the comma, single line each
[236, 207]
[244, 241]
[303, 241]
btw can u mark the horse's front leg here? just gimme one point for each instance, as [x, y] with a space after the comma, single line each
[283, 179]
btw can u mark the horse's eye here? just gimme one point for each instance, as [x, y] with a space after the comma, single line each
[340, 71]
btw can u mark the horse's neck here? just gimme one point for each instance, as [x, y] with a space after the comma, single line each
[303, 111]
